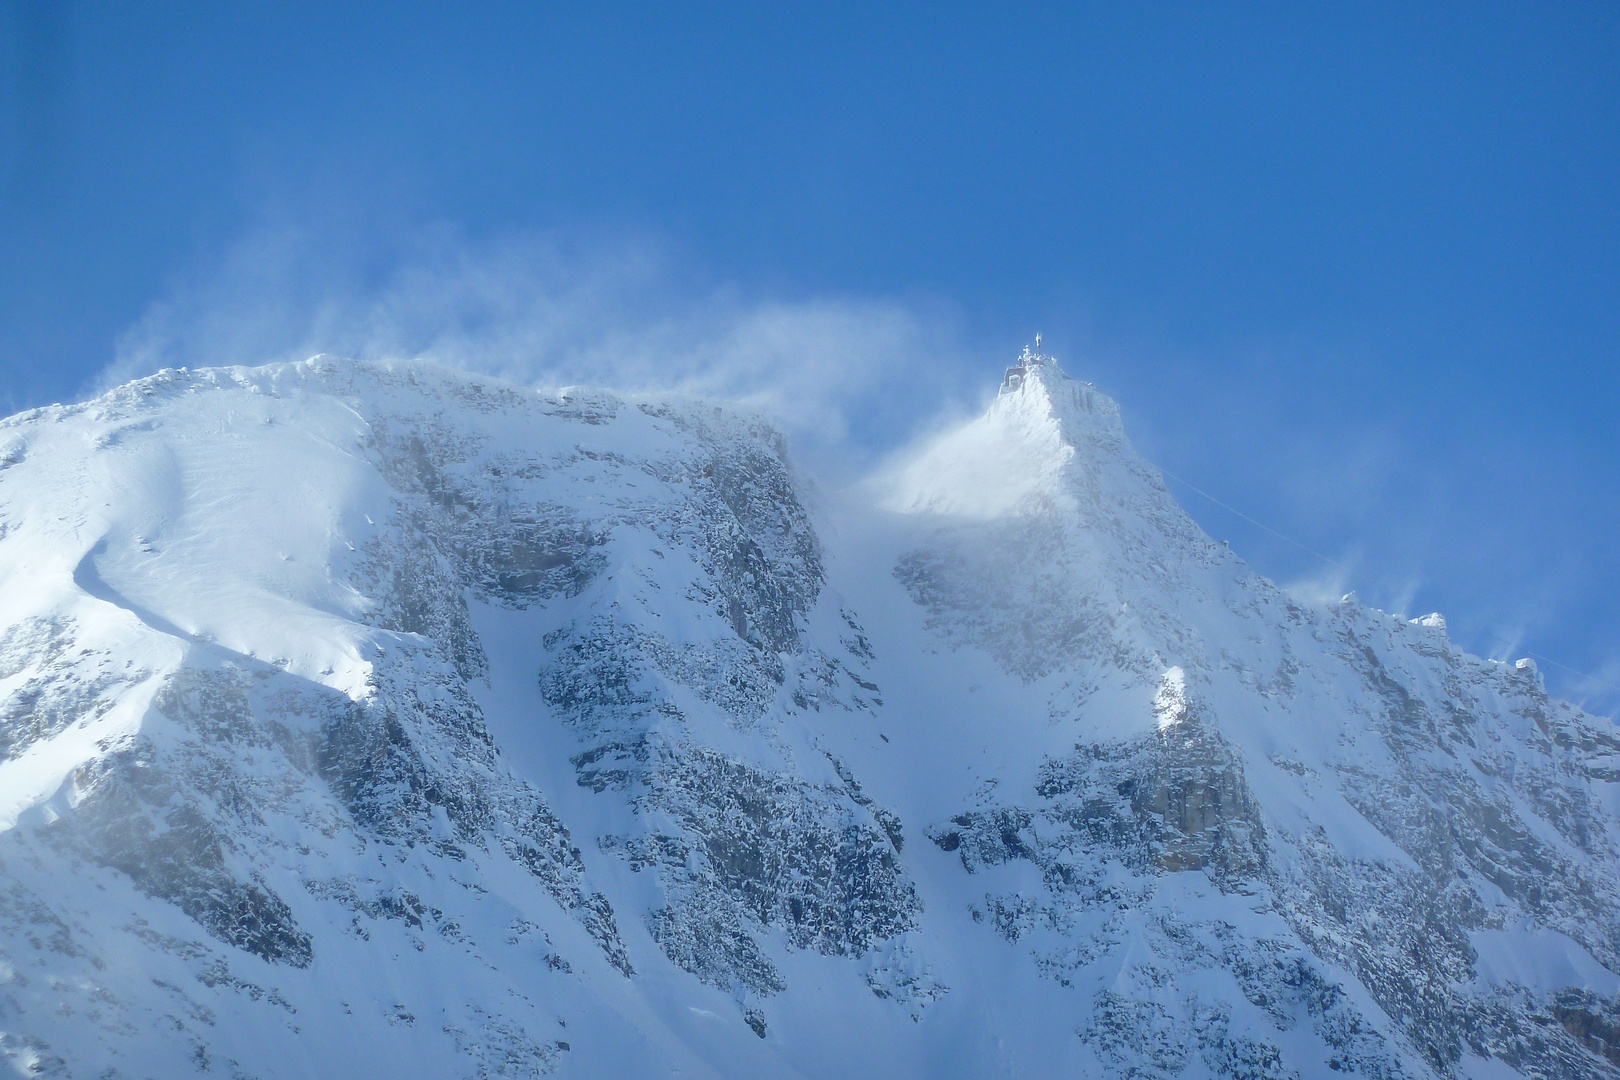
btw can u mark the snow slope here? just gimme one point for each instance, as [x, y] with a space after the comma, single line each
[367, 720]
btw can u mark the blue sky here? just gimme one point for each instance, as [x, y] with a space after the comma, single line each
[1350, 269]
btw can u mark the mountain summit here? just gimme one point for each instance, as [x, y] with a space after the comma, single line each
[1043, 434]
[378, 720]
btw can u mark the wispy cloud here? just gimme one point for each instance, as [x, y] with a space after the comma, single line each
[1599, 690]
[845, 376]
[1323, 588]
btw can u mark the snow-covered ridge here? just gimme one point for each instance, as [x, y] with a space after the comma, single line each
[379, 720]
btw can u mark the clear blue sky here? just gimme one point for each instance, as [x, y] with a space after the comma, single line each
[1352, 269]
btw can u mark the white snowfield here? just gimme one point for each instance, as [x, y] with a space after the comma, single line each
[380, 721]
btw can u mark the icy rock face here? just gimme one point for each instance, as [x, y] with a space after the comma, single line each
[1054, 527]
[1486, 802]
[242, 676]
[374, 720]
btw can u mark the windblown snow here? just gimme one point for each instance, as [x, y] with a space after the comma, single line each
[366, 720]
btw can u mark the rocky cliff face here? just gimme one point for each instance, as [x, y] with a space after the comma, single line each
[373, 720]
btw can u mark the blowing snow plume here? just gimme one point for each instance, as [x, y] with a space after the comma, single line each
[838, 374]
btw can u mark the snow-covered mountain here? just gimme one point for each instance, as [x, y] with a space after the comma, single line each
[380, 721]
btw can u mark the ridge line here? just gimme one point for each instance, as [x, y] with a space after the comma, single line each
[1334, 562]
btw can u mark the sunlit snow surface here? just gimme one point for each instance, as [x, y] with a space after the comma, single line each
[379, 721]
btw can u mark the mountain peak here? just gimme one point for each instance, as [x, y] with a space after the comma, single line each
[1033, 364]
[1021, 452]
[1027, 362]
[1039, 375]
